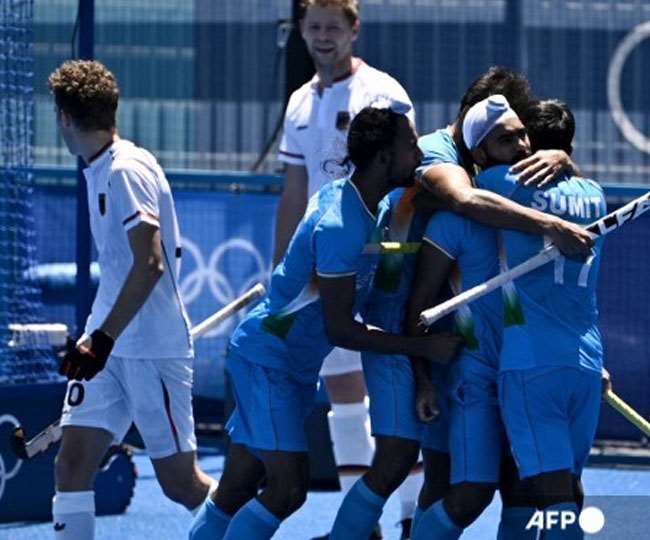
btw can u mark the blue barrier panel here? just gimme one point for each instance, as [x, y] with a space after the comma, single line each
[227, 242]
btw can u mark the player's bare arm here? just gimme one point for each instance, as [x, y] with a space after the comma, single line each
[146, 270]
[337, 295]
[92, 352]
[432, 270]
[291, 208]
[543, 167]
[452, 187]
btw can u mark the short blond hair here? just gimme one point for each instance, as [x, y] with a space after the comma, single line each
[87, 91]
[350, 7]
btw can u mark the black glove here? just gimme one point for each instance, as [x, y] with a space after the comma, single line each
[85, 365]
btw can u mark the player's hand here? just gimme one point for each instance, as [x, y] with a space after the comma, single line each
[441, 347]
[571, 239]
[84, 342]
[606, 380]
[426, 405]
[541, 168]
[87, 358]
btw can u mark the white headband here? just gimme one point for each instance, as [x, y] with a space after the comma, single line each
[483, 117]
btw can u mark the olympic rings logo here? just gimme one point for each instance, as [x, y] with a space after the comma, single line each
[6, 475]
[615, 71]
[210, 274]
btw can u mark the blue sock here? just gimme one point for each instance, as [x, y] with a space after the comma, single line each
[252, 522]
[210, 523]
[358, 514]
[416, 519]
[435, 524]
[570, 532]
[513, 523]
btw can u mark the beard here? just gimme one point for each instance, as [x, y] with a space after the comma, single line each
[403, 181]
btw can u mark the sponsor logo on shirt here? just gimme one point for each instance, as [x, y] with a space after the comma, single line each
[342, 120]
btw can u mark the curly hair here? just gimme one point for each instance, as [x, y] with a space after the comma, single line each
[350, 7]
[87, 91]
[371, 131]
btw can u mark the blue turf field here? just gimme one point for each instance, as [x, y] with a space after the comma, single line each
[623, 494]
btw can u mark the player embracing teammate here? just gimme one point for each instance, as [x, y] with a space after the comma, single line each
[532, 358]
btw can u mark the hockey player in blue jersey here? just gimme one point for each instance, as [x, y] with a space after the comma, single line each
[464, 252]
[276, 352]
[552, 358]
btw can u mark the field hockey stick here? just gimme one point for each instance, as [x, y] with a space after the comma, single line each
[628, 412]
[26, 449]
[602, 227]
[37, 336]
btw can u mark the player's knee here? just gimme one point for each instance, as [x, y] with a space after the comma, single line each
[180, 491]
[296, 498]
[393, 461]
[74, 472]
[551, 488]
[286, 486]
[466, 501]
[514, 491]
[436, 478]
[284, 499]
[231, 498]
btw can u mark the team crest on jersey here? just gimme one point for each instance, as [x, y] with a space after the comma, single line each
[101, 201]
[342, 120]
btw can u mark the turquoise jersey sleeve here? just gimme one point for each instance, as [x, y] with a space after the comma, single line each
[337, 245]
[446, 231]
[437, 147]
[498, 180]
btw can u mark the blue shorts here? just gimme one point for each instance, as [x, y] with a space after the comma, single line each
[550, 415]
[391, 389]
[271, 407]
[476, 435]
[435, 435]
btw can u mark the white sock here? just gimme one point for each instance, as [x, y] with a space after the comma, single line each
[409, 491]
[73, 513]
[353, 445]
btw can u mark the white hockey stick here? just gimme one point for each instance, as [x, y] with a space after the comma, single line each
[603, 226]
[51, 434]
[37, 336]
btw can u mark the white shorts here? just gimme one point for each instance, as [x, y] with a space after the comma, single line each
[341, 361]
[154, 394]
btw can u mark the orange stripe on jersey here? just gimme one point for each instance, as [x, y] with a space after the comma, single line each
[403, 214]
